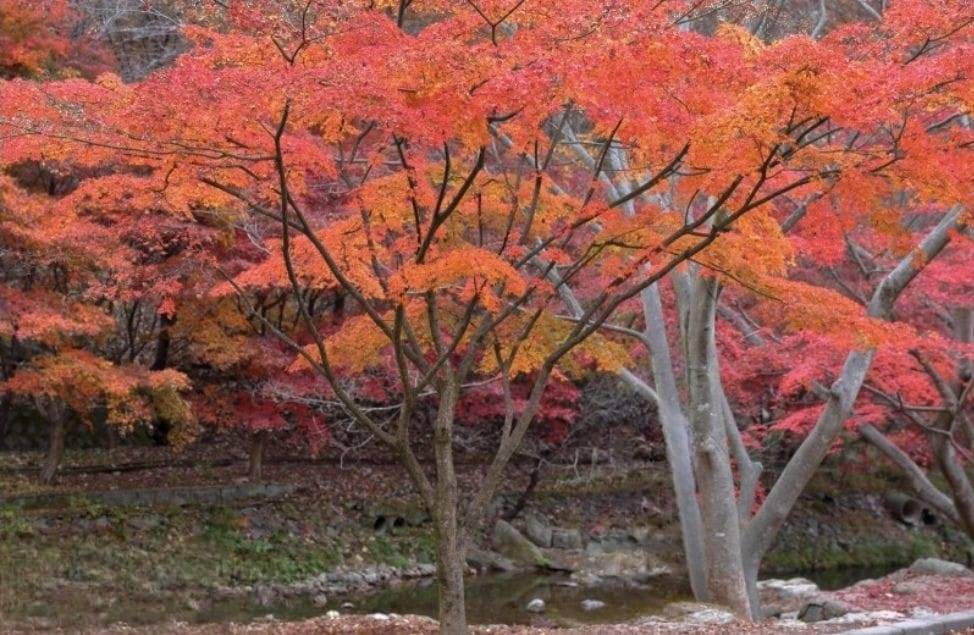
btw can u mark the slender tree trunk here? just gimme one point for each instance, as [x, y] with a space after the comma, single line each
[960, 484]
[927, 491]
[449, 541]
[6, 404]
[715, 478]
[258, 442]
[943, 445]
[160, 432]
[533, 479]
[55, 414]
[761, 530]
[676, 435]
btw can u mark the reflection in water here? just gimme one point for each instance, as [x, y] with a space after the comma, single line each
[501, 598]
[833, 579]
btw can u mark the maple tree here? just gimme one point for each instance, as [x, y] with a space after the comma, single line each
[919, 171]
[483, 188]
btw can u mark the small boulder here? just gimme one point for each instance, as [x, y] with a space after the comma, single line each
[637, 566]
[936, 566]
[566, 539]
[537, 531]
[145, 523]
[592, 605]
[535, 606]
[320, 600]
[697, 613]
[785, 596]
[825, 608]
[640, 535]
[908, 587]
[511, 543]
[485, 560]
[332, 614]
[265, 596]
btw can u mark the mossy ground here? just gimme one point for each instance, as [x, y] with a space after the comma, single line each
[87, 556]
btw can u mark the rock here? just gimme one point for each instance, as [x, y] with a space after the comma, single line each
[626, 565]
[489, 560]
[537, 531]
[379, 617]
[824, 608]
[265, 595]
[347, 605]
[710, 616]
[647, 452]
[592, 605]
[144, 523]
[586, 578]
[697, 613]
[881, 618]
[935, 566]
[320, 600]
[332, 614]
[566, 539]
[370, 578]
[511, 543]
[785, 596]
[640, 535]
[535, 606]
[908, 587]
[616, 540]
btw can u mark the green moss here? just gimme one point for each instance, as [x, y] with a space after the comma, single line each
[402, 548]
[865, 550]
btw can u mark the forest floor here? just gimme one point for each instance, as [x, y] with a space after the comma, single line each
[84, 564]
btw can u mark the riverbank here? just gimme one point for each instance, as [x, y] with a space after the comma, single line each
[333, 533]
[930, 596]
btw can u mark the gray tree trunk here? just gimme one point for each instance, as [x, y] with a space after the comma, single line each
[715, 478]
[676, 435]
[761, 530]
[927, 491]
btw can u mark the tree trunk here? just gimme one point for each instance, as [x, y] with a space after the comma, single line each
[6, 404]
[449, 541]
[943, 444]
[761, 530]
[258, 441]
[676, 435]
[160, 431]
[55, 450]
[960, 484]
[715, 478]
[927, 491]
[449, 566]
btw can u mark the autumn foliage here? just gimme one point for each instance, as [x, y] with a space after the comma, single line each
[449, 211]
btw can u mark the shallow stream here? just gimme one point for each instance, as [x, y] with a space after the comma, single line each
[502, 598]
